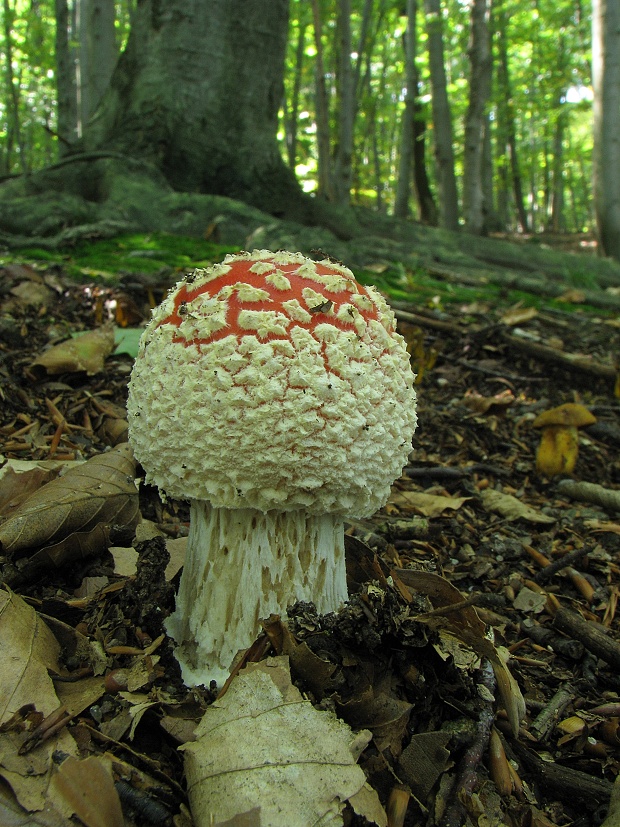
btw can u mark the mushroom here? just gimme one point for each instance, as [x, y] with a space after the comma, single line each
[273, 392]
[559, 442]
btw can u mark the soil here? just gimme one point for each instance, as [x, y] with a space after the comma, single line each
[495, 551]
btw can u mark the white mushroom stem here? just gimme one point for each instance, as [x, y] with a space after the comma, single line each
[242, 565]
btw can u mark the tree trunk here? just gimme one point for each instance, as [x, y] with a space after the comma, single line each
[66, 110]
[325, 184]
[292, 111]
[14, 135]
[442, 119]
[606, 160]
[479, 91]
[98, 53]
[509, 121]
[405, 165]
[424, 194]
[346, 106]
[197, 92]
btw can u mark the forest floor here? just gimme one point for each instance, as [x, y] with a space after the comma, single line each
[474, 544]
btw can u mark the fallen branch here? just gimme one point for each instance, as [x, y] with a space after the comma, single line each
[590, 492]
[574, 361]
[592, 635]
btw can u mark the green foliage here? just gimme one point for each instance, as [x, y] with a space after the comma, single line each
[152, 254]
[548, 50]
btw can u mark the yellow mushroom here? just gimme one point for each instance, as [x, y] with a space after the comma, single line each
[559, 442]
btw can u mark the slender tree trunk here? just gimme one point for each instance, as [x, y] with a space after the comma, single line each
[442, 119]
[557, 221]
[606, 159]
[292, 111]
[197, 92]
[479, 92]
[424, 194]
[346, 106]
[66, 110]
[405, 165]
[14, 133]
[509, 125]
[325, 177]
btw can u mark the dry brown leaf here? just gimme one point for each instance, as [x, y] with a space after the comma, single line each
[24, 679]
[101, 490]
[518, 315]
[12, 814]
[88, 789]
[465, 624]
[429, 505]
[20, 478]
[511, 508]
[423, 761]
[263, 744]
[86, 352]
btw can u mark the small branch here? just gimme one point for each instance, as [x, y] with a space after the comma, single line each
[590, 634]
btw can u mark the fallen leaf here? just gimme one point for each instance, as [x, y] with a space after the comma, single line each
[465, 624]
[262, 742]
[484, 404]
[86, 352]
[518, 315]
[423, 761]
[511, 508]
[88, 789]
[101, 490]
[429, 505]
[25, 680]
[21, 478]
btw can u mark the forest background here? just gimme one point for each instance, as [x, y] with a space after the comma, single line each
[458, 114]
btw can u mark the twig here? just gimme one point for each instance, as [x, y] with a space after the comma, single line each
[467, 777]
[590, 634]
[590, 492]
[559, 564]
[548, 717]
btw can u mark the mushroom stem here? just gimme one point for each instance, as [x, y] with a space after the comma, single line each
[242, 565]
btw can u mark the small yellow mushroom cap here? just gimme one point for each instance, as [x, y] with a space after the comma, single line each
[571, 413]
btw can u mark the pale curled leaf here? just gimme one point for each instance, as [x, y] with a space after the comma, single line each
[86, 352]
[263, 744]
[511, 508]
[24, 677]
[101, 490]
[429, 505]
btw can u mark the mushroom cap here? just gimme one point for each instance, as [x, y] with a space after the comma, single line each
[569, 414]
[271, 381]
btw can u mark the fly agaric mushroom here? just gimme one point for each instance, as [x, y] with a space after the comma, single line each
[274, 393]
[559, 442]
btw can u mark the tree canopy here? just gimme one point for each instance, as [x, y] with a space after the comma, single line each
[342, 118]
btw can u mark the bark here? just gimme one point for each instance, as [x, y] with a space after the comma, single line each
[442, 119]
[479, 92]
[606, 158]
[197, 92]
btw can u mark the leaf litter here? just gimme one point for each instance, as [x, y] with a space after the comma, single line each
[480, 664]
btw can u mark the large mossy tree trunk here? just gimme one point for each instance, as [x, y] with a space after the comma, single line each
[197, 92]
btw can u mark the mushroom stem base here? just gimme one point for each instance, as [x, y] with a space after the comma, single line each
[241, 566]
